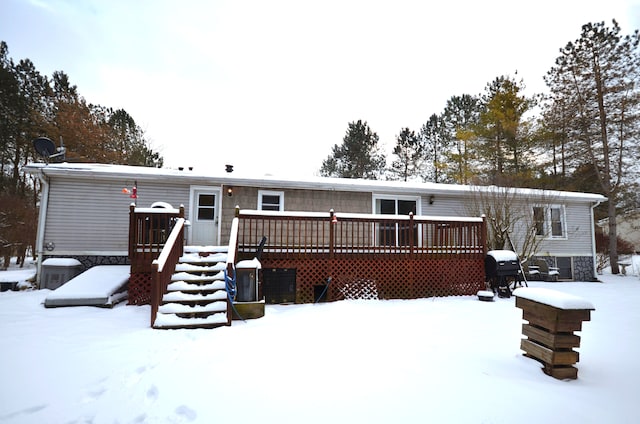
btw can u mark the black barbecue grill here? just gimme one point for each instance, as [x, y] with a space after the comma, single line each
[502, 269]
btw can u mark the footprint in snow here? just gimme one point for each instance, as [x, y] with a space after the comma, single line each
[186, 412]
[135, 377]
[93, 395]
[26, 411]
[152, 393]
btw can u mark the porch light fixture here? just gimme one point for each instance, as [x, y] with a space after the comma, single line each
[431, 199]
[229, 191]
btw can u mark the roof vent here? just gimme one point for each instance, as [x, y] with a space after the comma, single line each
[229, 168]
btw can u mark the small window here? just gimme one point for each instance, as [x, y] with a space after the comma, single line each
[206, 207]
[270, 200]
[549, 221]
[557, 221]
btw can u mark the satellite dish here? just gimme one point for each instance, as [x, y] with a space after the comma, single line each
[45, 148]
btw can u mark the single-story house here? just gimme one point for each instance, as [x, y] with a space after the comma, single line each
[84, 208]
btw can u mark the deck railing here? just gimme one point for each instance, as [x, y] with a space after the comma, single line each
[149, 229]
[164, 266]
[300, 235]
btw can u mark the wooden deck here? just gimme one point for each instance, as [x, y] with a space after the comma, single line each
[401, 256]
[336, 254]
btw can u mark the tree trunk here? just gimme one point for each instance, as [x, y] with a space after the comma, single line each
[613, 236]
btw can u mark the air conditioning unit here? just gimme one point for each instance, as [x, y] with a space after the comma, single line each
[57, 271]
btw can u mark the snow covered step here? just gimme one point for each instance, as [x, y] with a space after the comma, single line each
[179, 308]
[174, 321]
[184, 267]
[178, 296]
[195, 258]
[206, 249]
[187, 287]
[185, 276]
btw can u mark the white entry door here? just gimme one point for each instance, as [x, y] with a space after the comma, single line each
[204, 217]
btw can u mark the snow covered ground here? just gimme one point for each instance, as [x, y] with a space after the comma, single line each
[440, 360]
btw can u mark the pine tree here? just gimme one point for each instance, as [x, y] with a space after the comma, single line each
[358, 156]
[409, 153]
[436, 141]
[460, 116]
[598, 76]
[128, 139]
[31, 106]
[504, 135]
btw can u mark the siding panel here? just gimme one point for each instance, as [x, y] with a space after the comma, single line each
[578, 223]
[93, 215]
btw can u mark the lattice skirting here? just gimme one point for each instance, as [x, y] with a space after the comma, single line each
[139, 288]
[389, 278]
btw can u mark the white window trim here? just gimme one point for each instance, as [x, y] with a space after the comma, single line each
[547, 225]
[377, 196]
[563, 222]
[262, 193]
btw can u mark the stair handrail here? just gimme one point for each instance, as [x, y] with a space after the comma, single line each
[232, 251]
[164, 266]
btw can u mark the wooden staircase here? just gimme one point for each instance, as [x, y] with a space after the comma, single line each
[196, 297]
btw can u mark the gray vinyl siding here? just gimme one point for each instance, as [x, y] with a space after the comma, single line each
[294, 200]
[444, 205]
[579, 241]
[91, 216]
[578, 224]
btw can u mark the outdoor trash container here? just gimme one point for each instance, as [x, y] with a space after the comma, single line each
[247, 303]
[553, 318]
[247, 280]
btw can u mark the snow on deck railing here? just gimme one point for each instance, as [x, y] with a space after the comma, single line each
[169, 244]
[164, 266]
[304, 233]
[233, 242]
[361, 216]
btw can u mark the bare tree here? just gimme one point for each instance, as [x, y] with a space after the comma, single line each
[514, 222]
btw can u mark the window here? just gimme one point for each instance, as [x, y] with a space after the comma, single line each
[395, 234]
[549, 221]
[557, 218]
[538, 220]
[206, 207]
[270, 200]
[395, 206]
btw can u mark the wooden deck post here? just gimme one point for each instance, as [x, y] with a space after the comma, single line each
[483, 235]
[411, 237]
[132, 230]
[332, 235]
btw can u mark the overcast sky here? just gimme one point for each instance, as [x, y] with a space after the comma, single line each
[270, 86]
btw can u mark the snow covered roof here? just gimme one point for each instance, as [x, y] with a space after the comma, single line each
[139, 173]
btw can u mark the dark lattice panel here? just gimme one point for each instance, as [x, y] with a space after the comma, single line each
[392, 278]
[139, 291]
